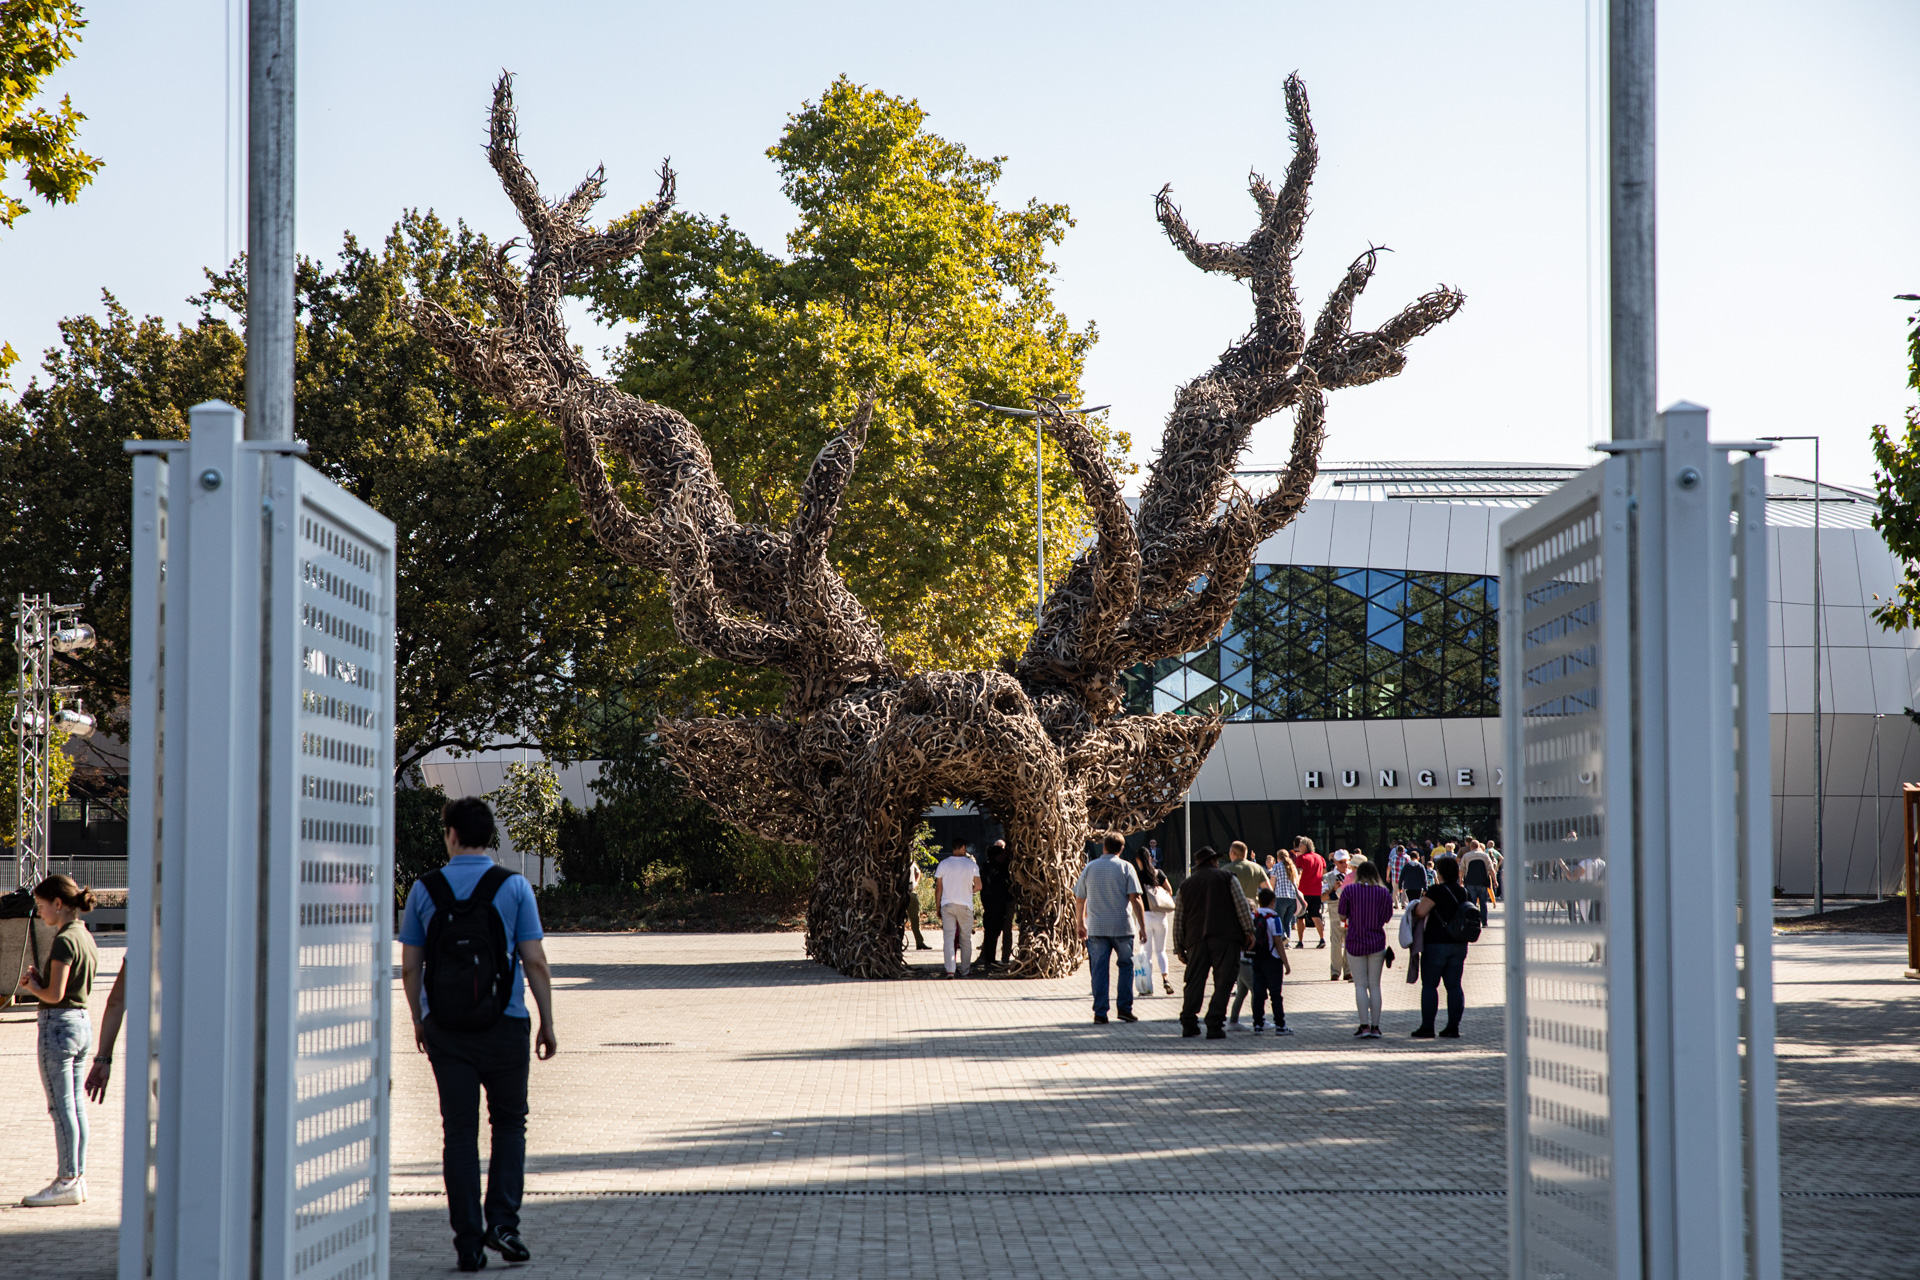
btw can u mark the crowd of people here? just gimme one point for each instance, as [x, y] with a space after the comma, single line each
[1235, 924]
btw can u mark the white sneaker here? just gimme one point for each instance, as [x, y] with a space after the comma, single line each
[58, 1192]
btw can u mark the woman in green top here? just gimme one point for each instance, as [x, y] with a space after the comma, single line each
[66, 1033]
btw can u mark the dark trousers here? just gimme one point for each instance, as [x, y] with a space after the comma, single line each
[997, 917]
[1442, 962]
[1220, 958]
[1267, 974]
[464, 1062]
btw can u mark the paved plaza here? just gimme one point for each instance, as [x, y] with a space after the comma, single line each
[721, 1107]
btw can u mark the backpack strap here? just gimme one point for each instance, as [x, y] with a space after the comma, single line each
[488, 887]
[435, 883]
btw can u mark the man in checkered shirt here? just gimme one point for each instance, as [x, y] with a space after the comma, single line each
[1396, 861]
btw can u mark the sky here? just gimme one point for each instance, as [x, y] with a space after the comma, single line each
[1458, 135]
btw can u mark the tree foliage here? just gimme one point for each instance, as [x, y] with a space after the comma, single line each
[59, 774]
[512, 623]
[37, 142]
[1897, 485]
[904, 278]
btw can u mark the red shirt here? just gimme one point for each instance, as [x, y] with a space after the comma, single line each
[1312, 867]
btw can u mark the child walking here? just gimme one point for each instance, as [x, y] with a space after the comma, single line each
[1270, 963]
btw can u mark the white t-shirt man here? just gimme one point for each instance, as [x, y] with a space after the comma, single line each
[959, 879]
[957, 874]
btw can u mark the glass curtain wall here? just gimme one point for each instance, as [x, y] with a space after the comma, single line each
[1312, 643]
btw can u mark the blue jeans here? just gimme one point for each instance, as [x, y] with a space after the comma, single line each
[1099, 951]
[65, 1037]
[1285, 908]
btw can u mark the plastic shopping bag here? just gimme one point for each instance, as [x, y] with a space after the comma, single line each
[1142, 970]
[1406, 925]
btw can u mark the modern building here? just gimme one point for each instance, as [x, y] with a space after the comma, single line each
[1360, 674]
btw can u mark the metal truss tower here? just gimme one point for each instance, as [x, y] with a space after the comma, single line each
[41, 629]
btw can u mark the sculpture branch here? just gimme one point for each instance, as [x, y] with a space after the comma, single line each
[860, 748]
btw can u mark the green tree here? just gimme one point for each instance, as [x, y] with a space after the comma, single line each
[419, 845]
[512, 622]
[59, 774]
[1897, 484]
[528, 805]
[37, 143]
[904, 277]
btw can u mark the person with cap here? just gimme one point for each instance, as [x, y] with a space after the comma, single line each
[1212, 926]
[1336, 879]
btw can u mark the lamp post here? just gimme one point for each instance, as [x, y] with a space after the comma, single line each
[1039, 491]
[1819, 757]
[1879, 826]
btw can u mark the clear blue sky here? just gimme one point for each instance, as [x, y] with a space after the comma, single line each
[1453, 133]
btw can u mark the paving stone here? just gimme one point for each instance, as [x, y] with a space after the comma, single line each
[722, 1107]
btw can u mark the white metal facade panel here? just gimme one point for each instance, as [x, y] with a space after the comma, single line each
[1572, 1116]
[1427, 535]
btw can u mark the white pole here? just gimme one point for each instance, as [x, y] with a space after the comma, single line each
[1879, 825]
[1819, 755]
[1040, 516]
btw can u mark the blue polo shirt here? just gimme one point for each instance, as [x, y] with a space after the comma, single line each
[518, 911]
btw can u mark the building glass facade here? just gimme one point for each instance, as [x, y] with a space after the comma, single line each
[1313, 643]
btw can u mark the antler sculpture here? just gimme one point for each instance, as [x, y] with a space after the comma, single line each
[860, 748]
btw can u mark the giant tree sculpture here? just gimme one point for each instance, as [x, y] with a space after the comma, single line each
[860, 747]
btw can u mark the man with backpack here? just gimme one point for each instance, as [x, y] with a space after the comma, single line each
[470, 945]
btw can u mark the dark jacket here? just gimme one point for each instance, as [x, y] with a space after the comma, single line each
[1211, 905]
[996, 882]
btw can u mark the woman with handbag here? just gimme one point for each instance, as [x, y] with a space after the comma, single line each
[1443, 957]
[1159, 906]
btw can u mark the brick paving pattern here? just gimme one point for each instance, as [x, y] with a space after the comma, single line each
[721, 1107]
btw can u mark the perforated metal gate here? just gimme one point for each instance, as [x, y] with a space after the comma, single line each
[260, 866]
[1569, 950]
[328, 1025]
[1641, 1112]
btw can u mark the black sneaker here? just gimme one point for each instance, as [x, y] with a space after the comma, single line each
[1216, 1033]
[1421, 1033]
[508, 1245]
[1129, 1017]
[1188, 1032]
[1451, 1033]
[1322, 946]
[1099, 1019]
[474, 1262]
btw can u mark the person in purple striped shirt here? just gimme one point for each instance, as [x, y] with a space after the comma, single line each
[1366, 905]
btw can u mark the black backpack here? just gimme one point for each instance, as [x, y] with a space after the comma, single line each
[469, 968]
[1464, 924]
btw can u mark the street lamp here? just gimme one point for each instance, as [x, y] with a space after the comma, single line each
[1039, 489]
[1819, 758]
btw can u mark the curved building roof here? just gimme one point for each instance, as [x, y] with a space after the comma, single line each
[1790, 499]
